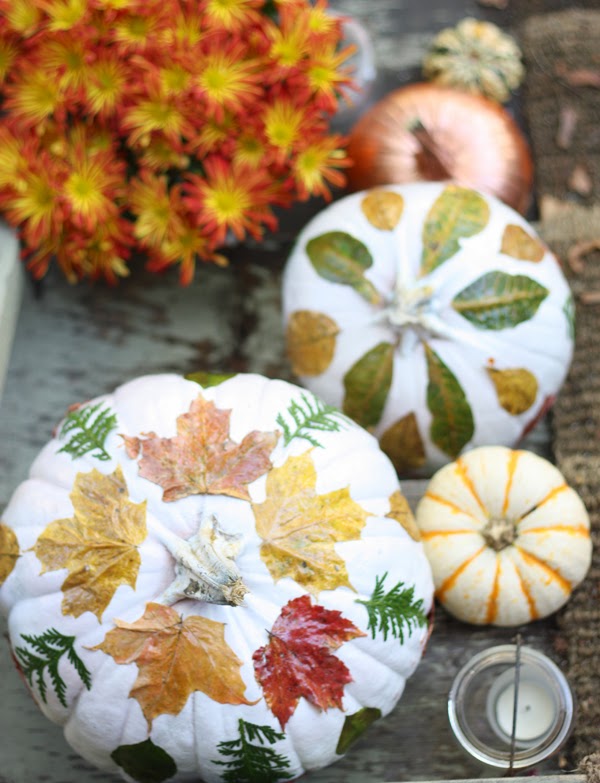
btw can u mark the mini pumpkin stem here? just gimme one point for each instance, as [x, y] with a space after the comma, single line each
[205, 567]
[499, 533]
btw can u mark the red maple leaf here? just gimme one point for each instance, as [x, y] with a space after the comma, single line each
[297, 661]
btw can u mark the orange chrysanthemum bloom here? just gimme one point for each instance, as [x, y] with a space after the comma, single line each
[229, 199]
[162, 126]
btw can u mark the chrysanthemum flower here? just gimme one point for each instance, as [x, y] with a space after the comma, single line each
[151, 203]
[35, 205]
[104, 85]
[161, 125]
[228, 199]
[94, 183]
[63, 14]
[21, 16]
[326, 75]
[155, 113]
[34, 98]
[318, 165]
[227, 79]
[284, 123]
[232, 15]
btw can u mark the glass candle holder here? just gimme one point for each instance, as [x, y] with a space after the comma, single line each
[511, 707]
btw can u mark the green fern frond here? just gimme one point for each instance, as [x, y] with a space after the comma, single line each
[311, 414]
[394, 612]
[253, 763]
[50, 646]
[87, 429]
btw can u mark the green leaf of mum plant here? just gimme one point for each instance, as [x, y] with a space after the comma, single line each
[367, 385]
[340, 258]
[452, 425]
[498, 300]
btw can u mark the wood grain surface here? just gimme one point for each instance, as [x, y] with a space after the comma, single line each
[73, 343]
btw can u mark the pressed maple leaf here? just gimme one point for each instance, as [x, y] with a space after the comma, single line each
[299, 661]
[175, 656]
[97, 545]
[202, 458]
[300, 528]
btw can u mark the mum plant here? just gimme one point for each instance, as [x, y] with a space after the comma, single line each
[162, 126]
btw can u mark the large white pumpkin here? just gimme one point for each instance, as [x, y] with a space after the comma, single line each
[204, 579]
[431, 314]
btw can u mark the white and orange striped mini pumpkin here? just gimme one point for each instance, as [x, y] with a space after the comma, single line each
[507, 539]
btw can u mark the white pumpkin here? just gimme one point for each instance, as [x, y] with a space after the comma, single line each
[507, 539]
[198, 578]
[431, 314]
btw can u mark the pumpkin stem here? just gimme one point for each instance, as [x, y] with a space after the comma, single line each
[205, 568]
[430, 163]
[499, 533]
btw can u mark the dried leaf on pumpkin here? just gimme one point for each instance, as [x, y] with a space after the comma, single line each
[300, 528]
[298, 660]
[202, 458]
[175, 656]
[97, 545]
[9, 551]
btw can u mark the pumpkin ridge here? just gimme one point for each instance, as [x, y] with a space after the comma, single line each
[452, 506]
[458, 531]
[575, 530]
[513, 458]
[534, 560]
[462, 472]
[492, 607]
[552, 494]
[526, 592]
[449, 582]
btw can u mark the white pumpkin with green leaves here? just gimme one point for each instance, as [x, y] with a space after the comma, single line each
[212, 579]
[431, 314]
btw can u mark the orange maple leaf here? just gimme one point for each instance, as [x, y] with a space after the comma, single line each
[175, 656]
[202, 458]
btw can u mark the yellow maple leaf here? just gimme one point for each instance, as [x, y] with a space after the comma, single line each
[9, 551]
[300, 528]
[175, 656]
[98, 544]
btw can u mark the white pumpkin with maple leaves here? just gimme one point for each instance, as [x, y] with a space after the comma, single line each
[202, 574]
[430, 313]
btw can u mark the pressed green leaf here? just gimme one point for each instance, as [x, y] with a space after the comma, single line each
[208, 379]
[367, 385]
[452, 424]
[355, 725]
[309, 416]
[341, 258]
[457, 213]
[145, 762]
[393, 612]
[498, 300]
[86, 429]
[43, 655]
[250, 759]
[569, 311]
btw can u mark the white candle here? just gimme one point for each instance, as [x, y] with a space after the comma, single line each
[536, 706]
